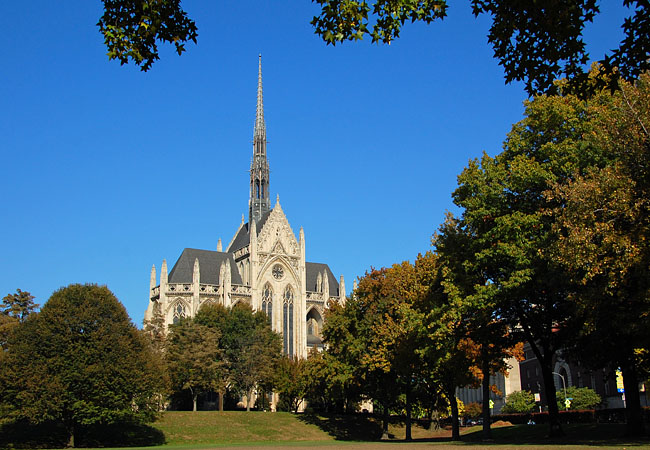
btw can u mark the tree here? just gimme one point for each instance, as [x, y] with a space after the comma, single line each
[348, 334]
[535, 42]
[511, 223]
[488, 336]
[251, 349]
[337, 369]
[581, 398]
[14, 310]
[194, 359]
[473, 410]
[19, 305]
[519, 402]
[132, 28]
[603, 235]
[393, 327]
[290, 381]
[79, 361]
[446, 351]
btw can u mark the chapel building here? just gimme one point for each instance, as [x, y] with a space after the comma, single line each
[264, 266]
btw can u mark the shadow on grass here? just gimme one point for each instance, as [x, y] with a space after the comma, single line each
[592, 434]
[346, 427]
[53, 435]
[357, 427]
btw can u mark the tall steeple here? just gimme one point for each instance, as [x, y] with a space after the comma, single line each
[259, 202]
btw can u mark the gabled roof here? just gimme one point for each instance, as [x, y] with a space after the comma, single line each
[243, 236]
[313, 269]
[209, 267]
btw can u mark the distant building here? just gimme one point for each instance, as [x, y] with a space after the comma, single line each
[571, 373]
[526, 375]
[264, 266]
[505, 384]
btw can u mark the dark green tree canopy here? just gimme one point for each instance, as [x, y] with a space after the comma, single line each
[536, 42]
[18, 305]
[194, 359]
[80, 361]
[133, 28]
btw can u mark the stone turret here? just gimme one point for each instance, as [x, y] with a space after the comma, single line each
[196, 281]
[163, 285]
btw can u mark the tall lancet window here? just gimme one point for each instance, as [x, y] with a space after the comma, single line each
[267, 301]
[179, 313]
[287, 328]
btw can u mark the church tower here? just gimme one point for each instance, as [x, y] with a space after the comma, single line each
[259, 202]
[263, 266]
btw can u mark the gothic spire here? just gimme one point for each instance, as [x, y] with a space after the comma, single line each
[260, 126]
[259, 202]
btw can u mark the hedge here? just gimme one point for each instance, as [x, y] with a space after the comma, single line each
[616, 415]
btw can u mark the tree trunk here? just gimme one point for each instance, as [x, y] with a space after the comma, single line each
[632, 401]
[408, 412]
[384, 434]
[485, 386]
[455, 429]
[549, 388]
[221, 400]
[249, 396]
[71, 428]
[194, 398]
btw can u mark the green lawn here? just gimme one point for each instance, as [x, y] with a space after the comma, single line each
[203, 429]
[228, 428]
[182, 428]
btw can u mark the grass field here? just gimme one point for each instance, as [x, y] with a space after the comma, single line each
[231, 428]
[203, 430]
[228, 427]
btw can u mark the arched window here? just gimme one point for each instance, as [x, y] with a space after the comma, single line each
[287, 311]
[179, 312]
[267, 301]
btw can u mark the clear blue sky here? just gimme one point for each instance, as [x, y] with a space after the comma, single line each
[107, 170]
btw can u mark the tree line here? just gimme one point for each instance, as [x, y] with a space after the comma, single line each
[80, 363]
[550, 248]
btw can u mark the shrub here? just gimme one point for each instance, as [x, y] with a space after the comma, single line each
[582, 398]
[519, 402]
[473, 410]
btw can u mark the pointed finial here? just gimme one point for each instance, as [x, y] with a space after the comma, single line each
[219, 247]
[242, 219]
[152, 282]
[260, 127]
[163, 273]
[277, 199]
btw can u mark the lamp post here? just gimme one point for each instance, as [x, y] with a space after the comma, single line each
[566, 408]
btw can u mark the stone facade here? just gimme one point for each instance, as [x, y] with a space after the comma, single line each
[264, 266]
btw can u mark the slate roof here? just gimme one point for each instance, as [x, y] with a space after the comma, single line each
[209, 267]
[243, 237]
[313, 269]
